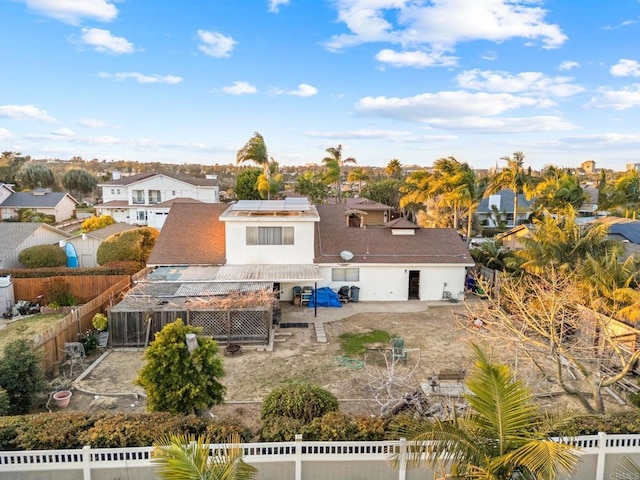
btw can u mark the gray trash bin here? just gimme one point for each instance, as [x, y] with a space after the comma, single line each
[355, 294]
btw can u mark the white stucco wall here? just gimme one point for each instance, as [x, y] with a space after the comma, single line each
[239, 253]
[391, 282]
[86, 249]
[169, 188]
[42, 236]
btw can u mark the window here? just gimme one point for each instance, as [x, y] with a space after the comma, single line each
[269, 235]
[154, 196]
[113, 191]
[138, 197]
[345, 274]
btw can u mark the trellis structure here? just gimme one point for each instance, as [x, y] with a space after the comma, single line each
[134, 322]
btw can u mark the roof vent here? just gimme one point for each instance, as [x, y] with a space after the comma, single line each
[346, 255]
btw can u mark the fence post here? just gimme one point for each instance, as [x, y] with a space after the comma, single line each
[298, 475]
[402, 463]
[86, 463]
[602, 455]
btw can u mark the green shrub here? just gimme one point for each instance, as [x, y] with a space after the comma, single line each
[46, 431]
[220, 431]
[28, 215]
[4, 402]
[132, 245]
[135, 430]
[332, 427]
[9, 432]
[100, 321]
[58, 291]
[280, 429]
[95, 223]
[42, 256]
[21, 376]
[299, 400]
[177, 381]
[111, 268]
[614, 423]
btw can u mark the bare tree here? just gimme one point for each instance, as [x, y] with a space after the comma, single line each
[576, 347]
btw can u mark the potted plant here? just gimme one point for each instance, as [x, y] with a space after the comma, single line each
[62, 398]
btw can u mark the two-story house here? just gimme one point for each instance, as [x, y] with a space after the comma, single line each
[146, 198]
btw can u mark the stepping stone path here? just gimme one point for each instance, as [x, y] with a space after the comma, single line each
[321, 336]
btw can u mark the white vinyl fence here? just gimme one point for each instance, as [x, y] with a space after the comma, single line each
[297, 460]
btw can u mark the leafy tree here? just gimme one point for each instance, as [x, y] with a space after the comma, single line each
[335, 163]
[502, 435]
[21, 376]
[247, 184]
[513, 177]
[132, 245]
[179, 381]
[311, 184]
[5, 403]
[42, 256]
[386, 191]
[95, 223]
[10, 165]
[491, 254]
[557, 191]
[358, 175]
[187, 457]
[78, 180]
[300, 401]
[36, 175]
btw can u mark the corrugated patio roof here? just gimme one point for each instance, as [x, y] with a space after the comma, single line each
[237, 273]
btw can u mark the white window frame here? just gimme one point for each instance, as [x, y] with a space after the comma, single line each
[137, 197]
[270, 236]
[349, 274]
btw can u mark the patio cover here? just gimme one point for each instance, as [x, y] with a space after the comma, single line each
[287, 273]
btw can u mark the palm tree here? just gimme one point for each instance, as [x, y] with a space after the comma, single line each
[334, 163]
[513, 177]
[558, 190]
[255, 150]
[358, 175]
[394, 169]
[502, 435]
[184, 457]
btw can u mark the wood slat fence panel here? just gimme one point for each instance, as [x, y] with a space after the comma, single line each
[83, 287]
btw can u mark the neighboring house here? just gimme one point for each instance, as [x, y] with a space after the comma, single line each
[503, 201]
[588, 166]
[5, 192]
[590, 206]
[86, 244]
[511, 238]
[363, 212]
[625, 230]
[146, 198]
[60, 205]
[15, 237]
[288, 243]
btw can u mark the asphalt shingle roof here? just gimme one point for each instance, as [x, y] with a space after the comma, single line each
[12, 234]
[506, 202]
[29, 200]
[379, 245]
[191, 235]
[201, 182]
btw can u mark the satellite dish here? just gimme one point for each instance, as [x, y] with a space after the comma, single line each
[346, 255]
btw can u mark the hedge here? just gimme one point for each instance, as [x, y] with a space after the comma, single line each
[41, 256]
[131, 245]
[113, 268]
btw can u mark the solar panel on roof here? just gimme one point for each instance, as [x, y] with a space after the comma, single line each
[296, 204]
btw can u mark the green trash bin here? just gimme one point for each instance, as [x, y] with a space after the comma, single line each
[355, 294]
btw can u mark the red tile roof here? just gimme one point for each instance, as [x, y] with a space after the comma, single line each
[379, 245]
[191, 235]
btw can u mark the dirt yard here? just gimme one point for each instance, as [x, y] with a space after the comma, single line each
[435, 337]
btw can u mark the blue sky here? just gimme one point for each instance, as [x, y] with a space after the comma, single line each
[190, 81]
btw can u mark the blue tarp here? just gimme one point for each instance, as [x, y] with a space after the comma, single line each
[326, 298]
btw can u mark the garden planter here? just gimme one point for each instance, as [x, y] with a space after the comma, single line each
[62, 398]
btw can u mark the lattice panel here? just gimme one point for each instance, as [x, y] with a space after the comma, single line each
[249, 324]
[214, 323]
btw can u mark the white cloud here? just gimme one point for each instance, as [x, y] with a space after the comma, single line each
[303, 90]
[500, 125]
[602, 141]
[446, 104]
[397, 136]
[215, 44]
[625, 68]
[240, 88]
[103, 41]
[25, 112]
[92, 123]
[72, 11]
[443, 23]
[140, 78]
[489, 55]
[416, 58]
[63, 132]
[5, 134]
[525, 82]
[626, 97]
[568, 65]
[274, 5]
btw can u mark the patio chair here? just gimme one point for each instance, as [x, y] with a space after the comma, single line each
[398, 352]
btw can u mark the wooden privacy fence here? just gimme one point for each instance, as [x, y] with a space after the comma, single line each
[68, 329]
[84, 287]
[130, 328]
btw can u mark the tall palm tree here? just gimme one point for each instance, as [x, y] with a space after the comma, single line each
[394, 169]
[358, 175]
[334, 163]
[502, 436]
[184, 457]
[255, 150]
[513, 177]
[558, 190]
